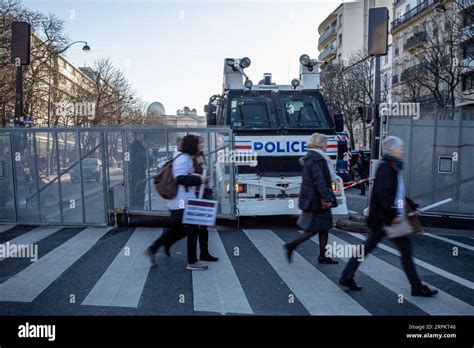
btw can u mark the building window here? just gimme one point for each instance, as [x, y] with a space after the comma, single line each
[468, 51]
[468, 82]
[340, 20]
[468, 17]
[340, 40]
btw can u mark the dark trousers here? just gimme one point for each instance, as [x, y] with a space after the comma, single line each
[403, 244]
[363, 185]
[137, 193]
[176, 232]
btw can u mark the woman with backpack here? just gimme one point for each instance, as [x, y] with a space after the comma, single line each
[184, 173]
[316, 197]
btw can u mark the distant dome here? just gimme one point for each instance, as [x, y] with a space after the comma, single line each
[155, 109]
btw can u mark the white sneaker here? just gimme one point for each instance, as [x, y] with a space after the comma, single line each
[197, 266]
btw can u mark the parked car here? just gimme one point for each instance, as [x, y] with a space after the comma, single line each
[91, 170]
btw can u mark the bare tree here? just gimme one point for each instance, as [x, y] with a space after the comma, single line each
[435, 70]
[338, 92]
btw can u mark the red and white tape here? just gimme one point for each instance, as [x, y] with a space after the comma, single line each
[357, 182]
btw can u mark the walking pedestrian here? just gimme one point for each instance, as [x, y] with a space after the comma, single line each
[363, 167]
[387, 205]
[316, 198]
[183, 172]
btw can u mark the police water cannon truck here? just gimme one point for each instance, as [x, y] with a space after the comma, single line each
[270, 126]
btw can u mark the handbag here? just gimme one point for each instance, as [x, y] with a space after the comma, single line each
[409, 224]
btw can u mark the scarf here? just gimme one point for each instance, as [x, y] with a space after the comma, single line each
[389, 158]
[334, 177]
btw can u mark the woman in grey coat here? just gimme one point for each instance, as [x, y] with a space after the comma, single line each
[316, 197]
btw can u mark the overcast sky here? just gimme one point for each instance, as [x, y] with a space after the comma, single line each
[173, 52]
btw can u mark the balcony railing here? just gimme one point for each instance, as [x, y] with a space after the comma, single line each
[412, 13]
[415, 40]
[327, 53]
[410, 72]
[329, 32]
[394, 79]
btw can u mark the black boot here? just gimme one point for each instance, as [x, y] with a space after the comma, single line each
[328, 260]
[289, 251]
[207, 257]
[350, 283]
[423, 291]
[167, 250]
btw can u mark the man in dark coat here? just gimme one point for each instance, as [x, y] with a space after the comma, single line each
[137, 172]
[384, 210]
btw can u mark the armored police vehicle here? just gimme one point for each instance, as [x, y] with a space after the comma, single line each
[270, 126]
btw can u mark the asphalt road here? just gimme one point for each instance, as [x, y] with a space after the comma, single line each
[101, 271]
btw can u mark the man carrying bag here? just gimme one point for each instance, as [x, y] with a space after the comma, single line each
[388, 215]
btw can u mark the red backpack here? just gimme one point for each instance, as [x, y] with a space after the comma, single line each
[165, 183]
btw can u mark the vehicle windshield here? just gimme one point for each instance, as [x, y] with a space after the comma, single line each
[304, 112]
[252, 112]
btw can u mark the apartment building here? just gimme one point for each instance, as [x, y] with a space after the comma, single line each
[345, 30]
[410, 33]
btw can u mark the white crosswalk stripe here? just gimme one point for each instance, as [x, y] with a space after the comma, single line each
[395, 279]
[424, 264]
[33, 280]
[32, 237]
[317, 293]
[218, 289]
[122, 284]
[450, 241]
[221, 288]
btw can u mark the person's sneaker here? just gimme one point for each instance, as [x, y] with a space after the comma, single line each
[197, 266]
[350, 283]
[423, 291]
[208, 257]
[328, 260]
[151, 256]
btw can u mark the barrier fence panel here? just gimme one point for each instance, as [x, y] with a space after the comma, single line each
[77, 176]
[439, 158]
[7, 194]
[148, 149]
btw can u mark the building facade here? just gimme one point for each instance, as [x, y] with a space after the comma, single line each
[413, 29]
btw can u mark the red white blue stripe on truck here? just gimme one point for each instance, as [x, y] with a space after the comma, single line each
[288, 145]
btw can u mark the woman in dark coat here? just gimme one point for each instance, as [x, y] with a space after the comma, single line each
[316, 197]
[387, 206]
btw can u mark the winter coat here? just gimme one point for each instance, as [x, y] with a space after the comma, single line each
[382, 209]
[316, 185]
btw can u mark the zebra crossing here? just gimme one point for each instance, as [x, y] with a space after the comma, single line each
[107, 272]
